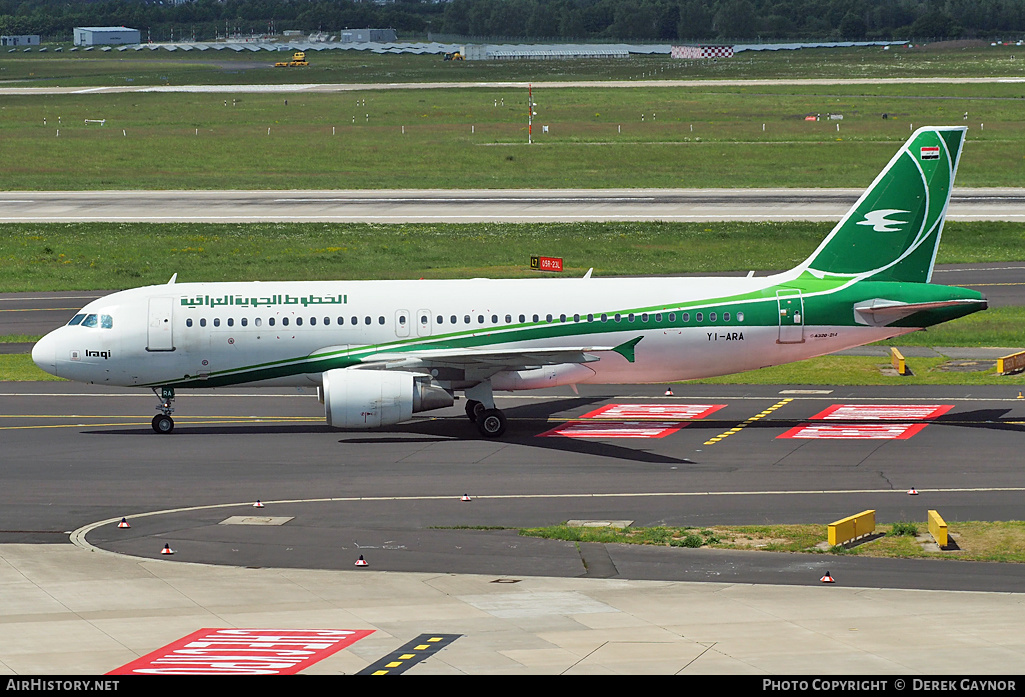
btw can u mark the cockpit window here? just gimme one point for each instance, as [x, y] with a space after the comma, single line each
[101, 321]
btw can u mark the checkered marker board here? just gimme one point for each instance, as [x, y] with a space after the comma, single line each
[701, 52]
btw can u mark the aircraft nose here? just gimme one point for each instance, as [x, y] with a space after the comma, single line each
[44, 354]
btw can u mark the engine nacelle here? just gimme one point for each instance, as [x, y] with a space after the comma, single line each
[371, 398]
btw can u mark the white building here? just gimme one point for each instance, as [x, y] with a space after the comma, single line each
[20, 40]
[102, 36]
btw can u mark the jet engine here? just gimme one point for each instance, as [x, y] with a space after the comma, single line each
[371, 398]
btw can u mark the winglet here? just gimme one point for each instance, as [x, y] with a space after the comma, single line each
[626, 349]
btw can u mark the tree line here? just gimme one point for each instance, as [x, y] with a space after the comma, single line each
[566, 20]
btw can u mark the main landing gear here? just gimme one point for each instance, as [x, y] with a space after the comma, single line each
[490, 421]
[162, 422]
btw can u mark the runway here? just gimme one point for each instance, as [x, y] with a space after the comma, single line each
[472, 206]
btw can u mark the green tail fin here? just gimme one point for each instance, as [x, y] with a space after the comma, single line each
[893, 232]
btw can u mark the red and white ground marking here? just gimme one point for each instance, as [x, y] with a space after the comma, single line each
[876, 412]
[615, 429]
[633, 421]
[243, 652]
[900, 421]
[862, 431]
[663, 412]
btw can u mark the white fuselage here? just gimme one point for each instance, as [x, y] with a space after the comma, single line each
[262, 332]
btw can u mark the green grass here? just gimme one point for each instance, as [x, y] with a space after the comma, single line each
[458, 138]
[18, 367]
[87, 256]
[999, 541]
[145, 67]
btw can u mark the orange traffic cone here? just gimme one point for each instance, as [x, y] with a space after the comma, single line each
[669, 392]
[827, 578]
[123, 524]
[361, 561]
[466, 497]
[167, 550]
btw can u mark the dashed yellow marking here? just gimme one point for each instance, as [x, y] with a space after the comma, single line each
[748, 422]
[424, 646]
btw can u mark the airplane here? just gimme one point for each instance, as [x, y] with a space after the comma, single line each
[380, 351]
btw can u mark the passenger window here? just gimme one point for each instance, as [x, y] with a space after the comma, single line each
[202, 322]
[217, 321]
[590, 317]
[562, 318]
[258, 321]
[740, 316]
[699, 317]
[245, 322]
[686, 317]
[672, 317]
[604, 317]
[494, 319]
[440, 319]
[77, 319]
[711, 316]
[644, 317]
[536, 318]
[576, 318]
[284, 321]
[366, 320]
[548, 318]
[523, 318]
[231, 321]
[298, 321]
[508, 319]
[658, 316]
[480, 319]
[630, 317]
[380, 319]
[270, 321]
[726, 317]
[188, 322]
[466, 319]
[619, 317]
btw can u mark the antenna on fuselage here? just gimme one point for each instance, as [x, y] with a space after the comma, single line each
[588, 274]
[171, 282]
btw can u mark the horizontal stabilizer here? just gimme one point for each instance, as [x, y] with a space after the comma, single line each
[879, 312]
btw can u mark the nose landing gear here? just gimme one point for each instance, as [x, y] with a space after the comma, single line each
[162, 422]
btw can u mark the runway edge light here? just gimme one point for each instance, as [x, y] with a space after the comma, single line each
[361, 561]
[124, 523]
[466, 497]
[167, 550]
[827, 578]
[258, 504]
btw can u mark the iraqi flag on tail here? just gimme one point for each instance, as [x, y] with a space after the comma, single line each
[930, 153]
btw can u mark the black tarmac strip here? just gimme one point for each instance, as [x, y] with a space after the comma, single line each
[76, 459]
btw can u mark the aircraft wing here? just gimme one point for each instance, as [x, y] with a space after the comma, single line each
[505, 359]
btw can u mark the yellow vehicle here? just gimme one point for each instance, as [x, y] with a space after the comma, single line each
[456, 56]
[298, 59]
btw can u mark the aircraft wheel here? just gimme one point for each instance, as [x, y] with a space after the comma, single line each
[163, 424]
[491, 423]
[473, 410]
